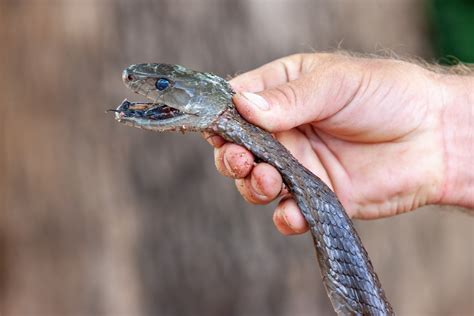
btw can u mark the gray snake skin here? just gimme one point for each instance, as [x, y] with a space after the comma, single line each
[187, 100]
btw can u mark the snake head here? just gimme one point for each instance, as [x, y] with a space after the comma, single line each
[178, 98]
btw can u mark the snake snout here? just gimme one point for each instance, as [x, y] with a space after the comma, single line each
[127, 76]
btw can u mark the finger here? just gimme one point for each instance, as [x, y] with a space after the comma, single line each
[302, 149]
[262, 186]
[288, 218]
[311, 97]
[263, 174]
[270, 75]
[215, 140]
[233, 161]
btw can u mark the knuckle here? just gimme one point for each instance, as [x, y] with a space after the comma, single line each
[286, 95]
[286, 102]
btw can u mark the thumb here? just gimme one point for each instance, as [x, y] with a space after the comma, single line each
[311, 98]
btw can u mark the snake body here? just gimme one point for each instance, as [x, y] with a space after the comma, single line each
[183, 99]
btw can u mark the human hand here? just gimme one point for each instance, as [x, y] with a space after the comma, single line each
[369, 128]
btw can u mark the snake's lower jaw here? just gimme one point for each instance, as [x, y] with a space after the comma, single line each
[156, 117]
[147, 110]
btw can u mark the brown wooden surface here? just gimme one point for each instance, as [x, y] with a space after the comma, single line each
[100, 219]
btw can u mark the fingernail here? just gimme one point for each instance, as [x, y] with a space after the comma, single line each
[227, 165]
[215, 141]
[257, 100]
[255, 186]
[283, 219]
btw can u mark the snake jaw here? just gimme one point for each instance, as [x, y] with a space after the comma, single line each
[145, 110]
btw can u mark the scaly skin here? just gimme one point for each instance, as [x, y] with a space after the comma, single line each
[203, 102]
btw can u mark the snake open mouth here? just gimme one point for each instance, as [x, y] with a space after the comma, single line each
[145, 110]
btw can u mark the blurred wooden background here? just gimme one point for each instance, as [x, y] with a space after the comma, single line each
[100, 219]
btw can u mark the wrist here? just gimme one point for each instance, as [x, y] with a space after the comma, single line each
[457, 128]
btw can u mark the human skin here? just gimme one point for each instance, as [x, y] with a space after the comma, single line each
[387, 136]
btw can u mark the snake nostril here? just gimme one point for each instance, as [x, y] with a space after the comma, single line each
[127, 77]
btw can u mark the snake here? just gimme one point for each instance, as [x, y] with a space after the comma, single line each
[182, 99]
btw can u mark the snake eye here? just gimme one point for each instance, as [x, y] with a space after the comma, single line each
[162, 83]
